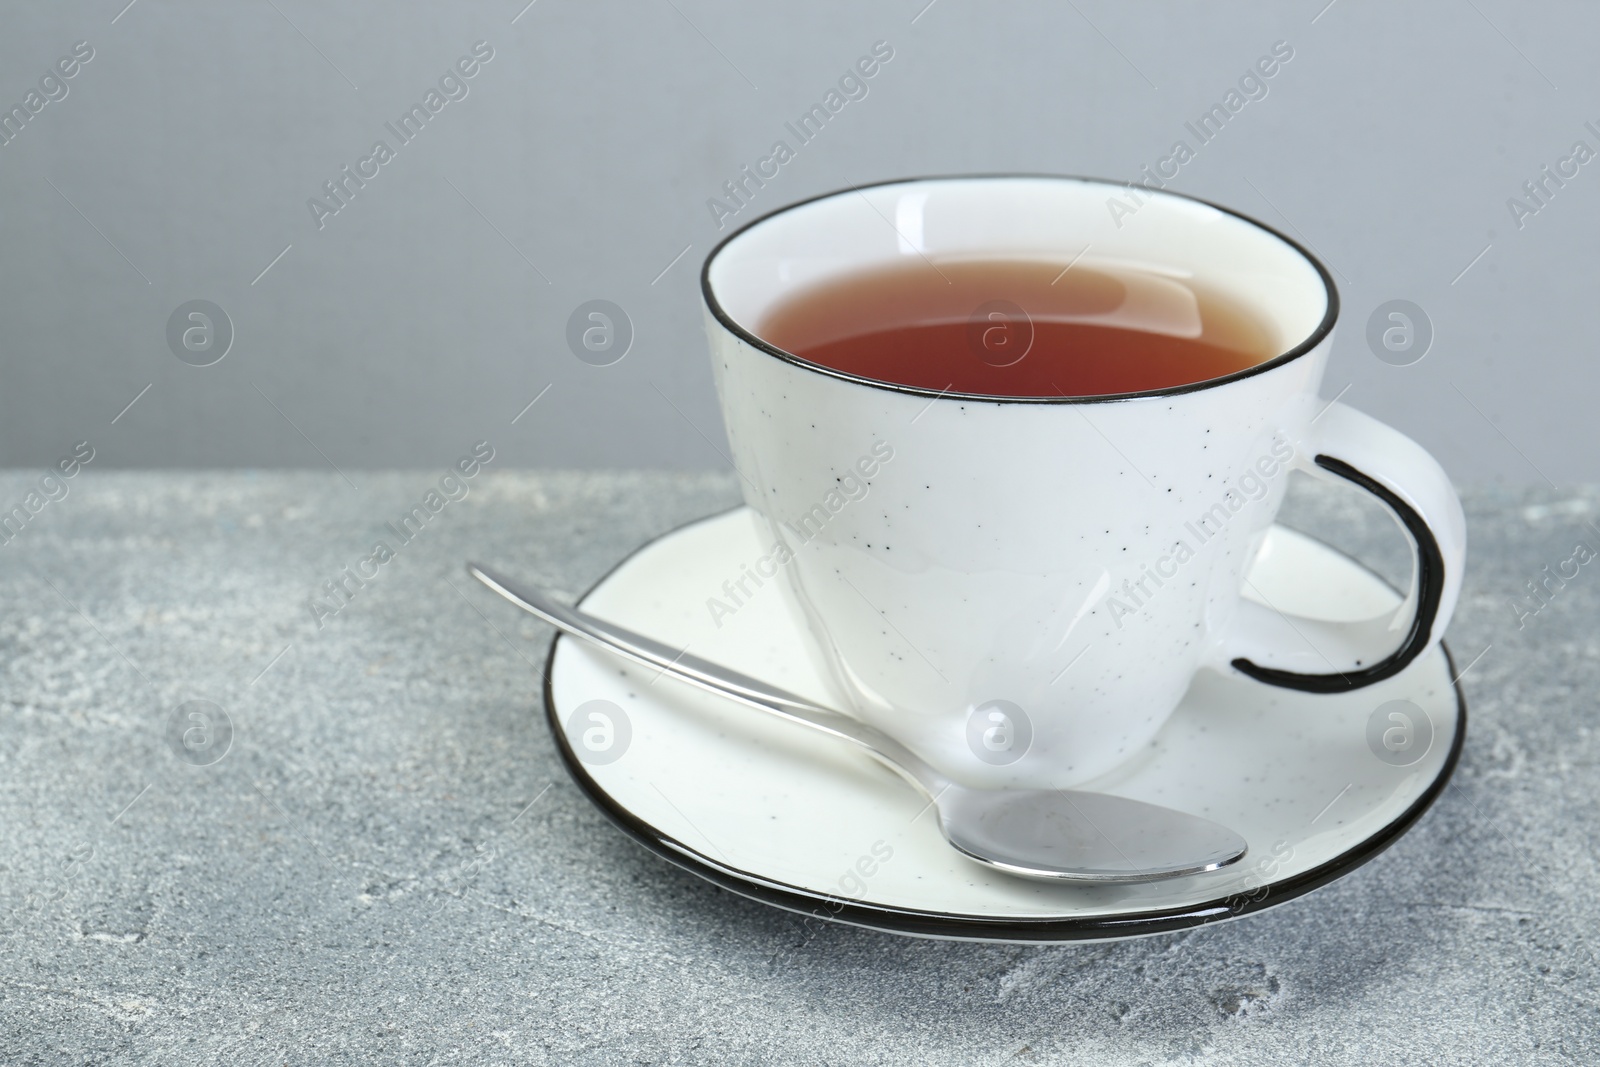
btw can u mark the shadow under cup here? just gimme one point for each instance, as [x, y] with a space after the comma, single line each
[1018, 588]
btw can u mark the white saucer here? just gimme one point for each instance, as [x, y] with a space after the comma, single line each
[778, 813]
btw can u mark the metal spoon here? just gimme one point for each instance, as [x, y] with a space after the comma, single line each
[1060, 834]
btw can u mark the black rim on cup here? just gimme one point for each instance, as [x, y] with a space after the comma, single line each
[1311, 341]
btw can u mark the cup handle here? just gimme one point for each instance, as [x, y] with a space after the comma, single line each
[1333, 657]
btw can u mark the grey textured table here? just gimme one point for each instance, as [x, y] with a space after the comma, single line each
[361, 878]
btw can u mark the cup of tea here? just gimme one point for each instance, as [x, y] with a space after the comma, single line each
[1016, 451]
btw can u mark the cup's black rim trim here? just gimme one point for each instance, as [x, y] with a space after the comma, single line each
[919, 923]
[1315, 338]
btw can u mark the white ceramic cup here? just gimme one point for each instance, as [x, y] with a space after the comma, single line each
[1021, 589]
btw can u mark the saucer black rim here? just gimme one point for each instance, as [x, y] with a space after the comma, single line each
[1320, 333]
[916, 922]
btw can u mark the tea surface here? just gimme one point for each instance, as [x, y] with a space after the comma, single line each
[1020, 327]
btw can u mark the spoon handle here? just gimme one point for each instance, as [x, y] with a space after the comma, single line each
[713, 677]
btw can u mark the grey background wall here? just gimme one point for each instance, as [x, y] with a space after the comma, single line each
[432, 307]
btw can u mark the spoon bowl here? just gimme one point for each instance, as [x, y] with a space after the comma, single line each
[1083, 836]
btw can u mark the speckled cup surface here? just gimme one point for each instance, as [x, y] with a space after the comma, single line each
[1021, 589]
